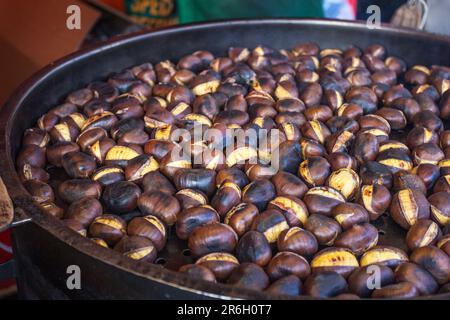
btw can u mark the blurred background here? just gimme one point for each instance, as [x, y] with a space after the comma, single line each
[35, 33]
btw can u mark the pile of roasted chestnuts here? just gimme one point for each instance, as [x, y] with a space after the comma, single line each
[361, 137]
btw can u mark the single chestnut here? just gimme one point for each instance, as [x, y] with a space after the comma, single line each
[345, 181]
[234, 175]
[214, 237]
[372, 172]
[53, 210]
[383, 256]
[84, 210]
[160, 204]
[32, 155]
[339, 260]
[442, 184]
[137, 248]
[362, 282]
[259, 192]
[189, 198]
[221, 264]
[325, 285]
[293, 209]
[288, 184]
[408, 180]
[299, 241]
[325, 229]
[108, 175]
[289, 285]
[76, 226]
[358, 238]
[249, 275]
[40, 191]
[270, 223]
[198, 272]
[110, 228]
[433, 260]
[75, 189]
[396, 291]
[78, 164]
[408, 206]
[288, 263]
[423, 233]
[241, 217]
[348, 214]
[121, 197]
[322, 200]
[192, 218]
[420, 278]
[440, 207]
[254, 247]
[375, 199]
[314, 171]
[226, 197]
[200, 179]
[149, 227]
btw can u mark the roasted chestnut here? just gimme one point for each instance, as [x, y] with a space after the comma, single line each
[420, 278]
[108, 227]
[288, 184]
[325, 285]
[321, 200]
[348, 214]
[408, 206]
[314, 171]
[358, 238]
[422, 233]
[270, 223]
[325, 229]
[254, 247]
[76, 189]
[259, 192]
[241, 217]
[293, 209]
[289, 285]
[40, 191]
[339, 260]
[192, 218]
[198, 272]
[346, 181]
[299, 241]
[384, 256]
[84, 210]
[160, 204]
[121, 197]
[433, 260]
[397, 290]
[362, 281]
[137, 248]
[149, 227]
[227, 196]
[221, 264]
[249, 275]
[440, 207]
[288, 263]
[375, 199]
